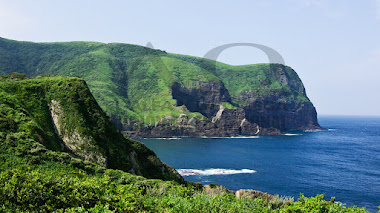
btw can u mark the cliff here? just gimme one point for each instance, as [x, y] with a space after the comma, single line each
[262, 99]
[151, 93]
[60, 114]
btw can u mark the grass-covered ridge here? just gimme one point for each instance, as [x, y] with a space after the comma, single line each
[61, 114]
[37, 175]
[132, 82]
[263, 79]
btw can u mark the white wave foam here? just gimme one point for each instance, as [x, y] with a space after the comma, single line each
[311, 130]
[315, 130]
[246, 137]
[165, 138]
[190, 172]
[233, 137]
[289, 134]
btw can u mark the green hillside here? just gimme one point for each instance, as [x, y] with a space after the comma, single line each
[61, 114]
[133, 83]
[43, 170]
[262, 78]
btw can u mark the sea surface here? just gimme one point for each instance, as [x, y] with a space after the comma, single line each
[343, 162]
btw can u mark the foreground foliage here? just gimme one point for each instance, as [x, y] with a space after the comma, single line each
[61, 188]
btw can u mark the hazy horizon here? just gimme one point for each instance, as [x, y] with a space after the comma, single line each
[333, 46]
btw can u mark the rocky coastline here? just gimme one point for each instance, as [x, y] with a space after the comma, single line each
[270, 114]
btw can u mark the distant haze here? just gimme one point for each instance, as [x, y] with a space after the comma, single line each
[333, 45]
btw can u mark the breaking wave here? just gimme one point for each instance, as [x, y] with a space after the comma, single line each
[173, 138]
[290, 134]
[191, 172]
[233, 137]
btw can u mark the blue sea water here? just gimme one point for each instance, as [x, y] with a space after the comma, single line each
[343, 162]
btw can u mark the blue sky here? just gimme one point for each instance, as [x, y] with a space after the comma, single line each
[334, 45]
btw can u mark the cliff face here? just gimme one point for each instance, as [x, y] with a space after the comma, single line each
[268, 115]
[270, 106]
[204, 98]
[269, 112]
[151, 93]
[287, 108]
[61, 115]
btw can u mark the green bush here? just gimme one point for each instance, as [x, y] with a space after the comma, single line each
[32, 190]
[317, 204]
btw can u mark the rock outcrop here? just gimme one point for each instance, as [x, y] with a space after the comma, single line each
[261, 115]
[72, 140]
[204, 97]
[252, 194]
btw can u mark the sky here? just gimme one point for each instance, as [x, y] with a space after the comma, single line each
[333, 45]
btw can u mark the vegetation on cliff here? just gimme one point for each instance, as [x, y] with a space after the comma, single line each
[134, 84]
[40, 172]
[61, 114]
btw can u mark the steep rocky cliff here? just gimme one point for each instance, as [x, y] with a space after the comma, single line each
[151, 93]
[266, 99]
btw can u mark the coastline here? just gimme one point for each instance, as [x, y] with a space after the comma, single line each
[264, 132]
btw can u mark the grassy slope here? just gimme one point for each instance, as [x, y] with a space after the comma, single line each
[35, 176]
[262, 78]
[133, 82]
[149, 86]
[25, 109]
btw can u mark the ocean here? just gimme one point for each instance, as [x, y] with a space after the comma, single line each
[342, 162]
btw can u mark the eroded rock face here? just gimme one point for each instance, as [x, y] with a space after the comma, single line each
[252, 194]
[182, 120]
[271, 111]
[260, 115]
[204, 97]
[215, 189]
[72, 140]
